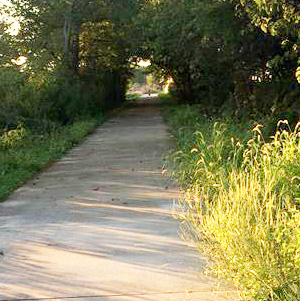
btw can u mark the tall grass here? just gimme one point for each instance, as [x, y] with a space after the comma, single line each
[240, 203]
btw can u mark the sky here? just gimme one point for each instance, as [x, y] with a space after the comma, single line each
[144, 63]
[14, 29]
[14, 23]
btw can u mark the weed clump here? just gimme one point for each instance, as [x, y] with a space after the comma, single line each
[241, 205]
[13, 137]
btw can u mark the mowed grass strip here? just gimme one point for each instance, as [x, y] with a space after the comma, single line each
[19, 162]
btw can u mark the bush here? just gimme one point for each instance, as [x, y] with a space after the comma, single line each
[13, 138]
[241, 205]
[55, 99]
[11, 83]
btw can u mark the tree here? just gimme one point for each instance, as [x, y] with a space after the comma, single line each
[280, 19]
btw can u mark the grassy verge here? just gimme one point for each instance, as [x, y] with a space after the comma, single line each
[133, 97]
[166, 98]
[240, 201]
[22, 154]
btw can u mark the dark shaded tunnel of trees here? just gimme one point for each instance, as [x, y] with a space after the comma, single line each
[237, 57]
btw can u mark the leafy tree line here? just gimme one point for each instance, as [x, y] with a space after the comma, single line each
[77, 59]
[239, 56]
[236, 54]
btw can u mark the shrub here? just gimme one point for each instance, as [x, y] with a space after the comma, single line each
[11, 82]
[42, 102]
[14, 137]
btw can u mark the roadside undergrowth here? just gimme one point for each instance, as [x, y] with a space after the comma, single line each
[24, 153]
[240, 201]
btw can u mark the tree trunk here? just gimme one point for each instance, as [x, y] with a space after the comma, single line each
[75, 47]
[67, 33]
[185, 87]
[72, 30]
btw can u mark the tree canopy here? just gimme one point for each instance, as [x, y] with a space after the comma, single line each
[232, 54]
[226, 53]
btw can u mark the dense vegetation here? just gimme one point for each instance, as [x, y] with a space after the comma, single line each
[77, 60]
[240, 201]
[233, 56]
[238, 56]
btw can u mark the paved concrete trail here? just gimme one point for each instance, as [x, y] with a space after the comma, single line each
[97, 225]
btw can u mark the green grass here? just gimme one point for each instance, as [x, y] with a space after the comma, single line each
[240, 201]
[133, 97]
[166, 98]
[192, 130]
[21, 160]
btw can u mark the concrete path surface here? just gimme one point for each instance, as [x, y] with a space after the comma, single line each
[97, 225]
